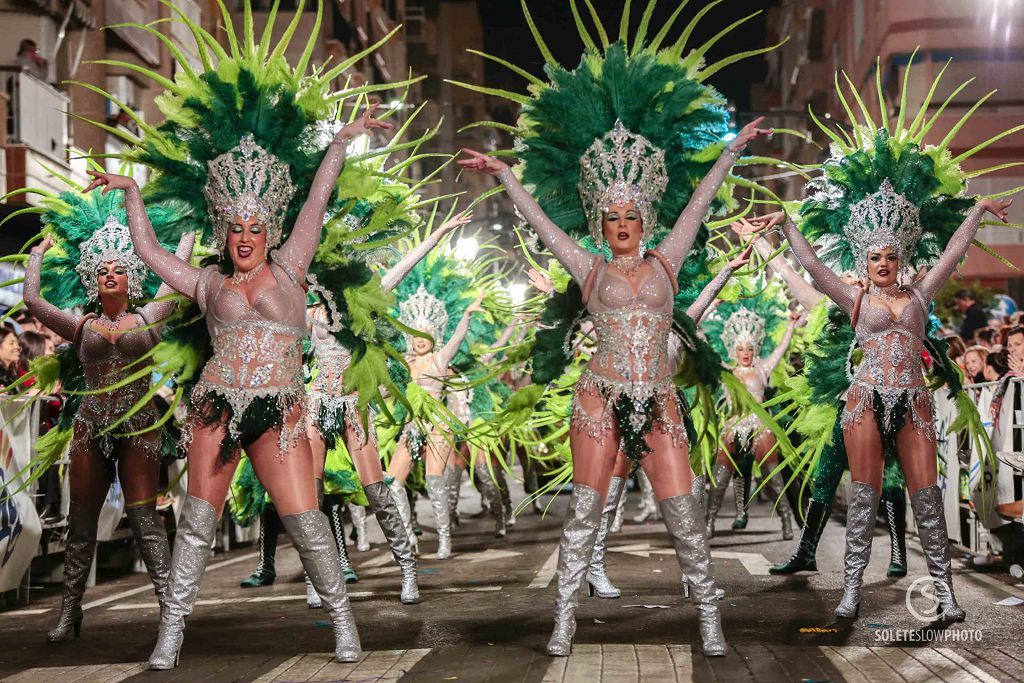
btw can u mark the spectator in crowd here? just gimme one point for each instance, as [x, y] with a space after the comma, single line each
[957, 349]
[10, 355]
[975, 316]
[996, 366]
[31, 60]
[27, 322]
[986, 336]
[32, 345]
[975, 358]
[1015, 343]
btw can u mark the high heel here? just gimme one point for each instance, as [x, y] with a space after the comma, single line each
[79, 550]
[489, 491]
[720, 478]
[648, 508]
[437, 491]
[151, 536]
[358, 513]
[382, 503]
[197, 525]
[401, 501]
[311, 536]
[741, 493]
[931, 526]
[313, 600]
[574, 553]
[453, 483]
[597, 576]
[860, 527]
[804, 559]
[894, 503]
[682, 515]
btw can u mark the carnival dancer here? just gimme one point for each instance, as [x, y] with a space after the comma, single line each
[886, 205]
[620, 129]
[258, 137]
[93, 266]
[745, 332]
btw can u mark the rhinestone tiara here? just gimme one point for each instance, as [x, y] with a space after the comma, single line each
[743, 327]
[620, 167]
[882, 219]
[424, 312]
[248, 181]
[112, 242]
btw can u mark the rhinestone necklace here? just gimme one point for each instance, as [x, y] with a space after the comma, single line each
[628, 264]
[890, 293]
[241, 279]
[112, 323]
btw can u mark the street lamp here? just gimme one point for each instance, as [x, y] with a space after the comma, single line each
[517, 292]
[466, 248]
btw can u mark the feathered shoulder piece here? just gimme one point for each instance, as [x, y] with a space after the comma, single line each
[884, 186]
[245, 133]
[756, 316]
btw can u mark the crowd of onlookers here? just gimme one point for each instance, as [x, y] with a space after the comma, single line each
[987, 350]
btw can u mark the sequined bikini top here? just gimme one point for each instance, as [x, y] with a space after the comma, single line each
[754, 377]
[892, 344]
[283, 304]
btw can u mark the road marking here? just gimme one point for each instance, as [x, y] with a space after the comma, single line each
[148, 587]
[755, 563]
[547, 572]
[378, 561]
[996, 583]
[488, 555]
[26, 612]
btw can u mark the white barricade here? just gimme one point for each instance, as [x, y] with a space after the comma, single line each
[20, 528]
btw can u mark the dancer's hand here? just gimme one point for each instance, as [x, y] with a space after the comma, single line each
[746, 229]
[109, 181]
[769, 220]
[996, 207]
[797, 318]
[364, 125]
[748, 133]
[43, 246]
[481, 162]
[458, 220]
[475, 307]
[541, 282]
[743, 259]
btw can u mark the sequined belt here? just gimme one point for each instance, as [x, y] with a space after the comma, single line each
[632, 343]
[98, 412]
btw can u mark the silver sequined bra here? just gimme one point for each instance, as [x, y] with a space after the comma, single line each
[743, 427]
[98, 412]
[632, 360]
[329, 404]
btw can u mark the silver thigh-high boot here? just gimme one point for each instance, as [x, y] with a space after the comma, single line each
[336, 518]
[453, 482]
[489, 491]
[620, 512]
[860, 528]
[151, 535]
[931, 526]
[382, 503]
[311, 535]
[358, 513]
[597, 577]
[648, 508]
[682, 515]
[783, 509]
[501, 482]
[438, 493]
[721, 476]
[313, 600]
[574, 552]
[79, 550]
[401, 500]
[197, 526]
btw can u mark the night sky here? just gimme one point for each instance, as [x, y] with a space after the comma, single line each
[507, 36]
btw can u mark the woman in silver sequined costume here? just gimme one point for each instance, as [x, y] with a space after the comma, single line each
[630, 301]
[333, 413]
[745, 437]
[429, 367]
[110, 346]
[257, 321]
[888, 388]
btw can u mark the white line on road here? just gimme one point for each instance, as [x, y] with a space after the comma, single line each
[547, 572]
[297, 597]
[26, 612]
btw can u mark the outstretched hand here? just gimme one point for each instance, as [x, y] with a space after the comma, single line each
[748, 133]
[476, 307]
[743, 259]
[364, 125]
[109, 181]
[459, 219]
[481, 162]
[797, 318]
[746, 229]
[996, 207]
[541, 282]
[43, 246]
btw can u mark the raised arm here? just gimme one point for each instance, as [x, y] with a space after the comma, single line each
[577, 260]
[62, 322]
[499, 343]
[771, 362]
[937, 276]
[448, 351]
[843, 294]
[800, 288]
[398, 271]
[158, 311]
[707, 295]
[677, 244]
[175, 272]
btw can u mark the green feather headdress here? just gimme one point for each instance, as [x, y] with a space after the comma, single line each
[247, 94]
[757, 316]
[883, 186]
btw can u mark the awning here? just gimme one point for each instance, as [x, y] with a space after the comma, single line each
[81, 10]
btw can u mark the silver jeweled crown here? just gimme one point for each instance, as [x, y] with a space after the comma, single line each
[248, 181]
[424, 312]
[620, 167]
[743, 327]
[883, 219]
[112, 242]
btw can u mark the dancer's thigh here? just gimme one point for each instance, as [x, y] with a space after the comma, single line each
[621, 469]
[208, 475]
[90, 477]
[287, 476]
[917, 455]
[139, 474]
[364, 454]
[593, 457]
[436, 451]
[317, 450]
[864, 448]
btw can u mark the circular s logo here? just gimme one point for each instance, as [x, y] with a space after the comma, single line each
[924, 591]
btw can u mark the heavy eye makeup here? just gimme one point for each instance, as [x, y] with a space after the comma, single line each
[254, 229]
